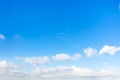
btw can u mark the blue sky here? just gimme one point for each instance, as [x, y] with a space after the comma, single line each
[55, 31]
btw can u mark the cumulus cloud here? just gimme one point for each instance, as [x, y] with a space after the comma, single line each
[2, 37]
[9, 70]
[62, 73]
[112, 50]
[63, 57]
[3, 64]
[12, 72]
[90, 52]
[53, 73]
[34, 60]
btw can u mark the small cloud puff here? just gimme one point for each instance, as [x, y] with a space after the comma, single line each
[2, 37]
[63, 57]
[112, 50]
[90, 52]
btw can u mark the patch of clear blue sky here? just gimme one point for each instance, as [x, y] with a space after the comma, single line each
[55, 26]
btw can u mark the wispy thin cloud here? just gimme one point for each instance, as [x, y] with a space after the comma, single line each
[34, 60]
[2, 37]
[62, 36]
[16, 36]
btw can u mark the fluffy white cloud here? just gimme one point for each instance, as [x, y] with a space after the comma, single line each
[3, 64]
[63, 56]
[90, 52]
[70, 73]
[34, 60]
[112, 50]
[12, 72]
[9, 70]
[2, 37]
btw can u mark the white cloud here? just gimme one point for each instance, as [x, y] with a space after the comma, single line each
[3, 64]
[51, 71]
[90, 52]
[9, 70]
[112, 50]
[2, 37]
[77, 56]
[62, 73]
[34, 60]
[12, 72]
[63, 56]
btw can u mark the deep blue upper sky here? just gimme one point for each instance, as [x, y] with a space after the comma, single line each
[51, 26]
